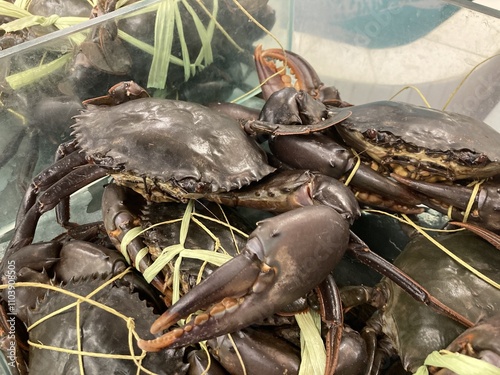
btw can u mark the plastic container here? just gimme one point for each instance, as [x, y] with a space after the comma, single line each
[368, 49]
[44, 79]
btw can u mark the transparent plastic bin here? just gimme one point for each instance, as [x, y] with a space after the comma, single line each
[44, 80]
[368, 49]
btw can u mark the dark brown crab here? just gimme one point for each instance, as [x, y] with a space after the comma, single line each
[417, 146]
[80, 267]
[167, 151]
[431, 146]
[423, 143]
[415, 331]
[418, 142]
[274, 266]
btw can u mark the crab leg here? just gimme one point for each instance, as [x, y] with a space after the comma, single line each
[287, 190]
[34, 204]
[332, 315]
[260, 351]
[485, 234]
[46, 178]
[321, 153]
[486, 207]
[361, 251]
[277, 128]
[285, 257]
[119, 220]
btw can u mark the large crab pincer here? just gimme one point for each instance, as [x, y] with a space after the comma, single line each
[279, 264]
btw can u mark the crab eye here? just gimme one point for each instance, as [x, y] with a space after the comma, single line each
[371, 134]
[481, 159]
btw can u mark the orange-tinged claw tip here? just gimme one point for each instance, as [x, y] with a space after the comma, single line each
[200, 319]
[163, 322]
[161, 342]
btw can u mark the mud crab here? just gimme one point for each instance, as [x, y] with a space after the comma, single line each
[413, 330]
[201, 152]
[268, 269]
[210, 140]
[79, 267]
[216, 156]
[82, 267]
[414, 145]
[103, 333]
[120, 211]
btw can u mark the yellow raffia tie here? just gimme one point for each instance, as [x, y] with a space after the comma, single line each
[422, 96]
[460, 364]
[355, 169]
[472, 199]
[449, 213]
[19, 116]
[465, 79]
[26, 19]
[140, 255]
[236, 350]
[87, 299]
[174, 250]
[135, 232]
[126, 240]
[219, 26]
[451, 255]
[423, 232]
[475, 190]
[226, 224]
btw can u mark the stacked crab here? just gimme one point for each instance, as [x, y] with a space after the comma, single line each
[159, 151]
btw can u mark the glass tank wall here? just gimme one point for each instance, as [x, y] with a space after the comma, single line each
[368, 49]
[371, 49]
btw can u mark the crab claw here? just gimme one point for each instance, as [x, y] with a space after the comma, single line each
[306, 77]
[285, 257]
[290, 189]
[485, 209]
[120, 93]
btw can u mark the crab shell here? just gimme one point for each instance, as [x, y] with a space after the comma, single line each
[414, 330]
[159, 237]
[101, 332]
[423, 143]
[171, 146]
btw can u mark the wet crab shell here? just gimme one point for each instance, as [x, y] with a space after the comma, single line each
[412, 328]
[172, 144]
[425, 142]
[101, 332]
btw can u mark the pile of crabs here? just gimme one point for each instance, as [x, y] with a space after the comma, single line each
[311, 161]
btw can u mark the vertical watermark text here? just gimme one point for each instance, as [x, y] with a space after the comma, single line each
[10, 277]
